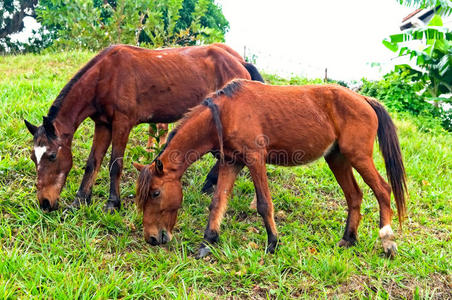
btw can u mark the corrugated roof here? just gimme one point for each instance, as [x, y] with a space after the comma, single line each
[411, 14]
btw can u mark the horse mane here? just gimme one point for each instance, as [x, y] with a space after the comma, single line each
[229, 89]
[56, 105]
[193, 111]
[143, 184]
[143, 188]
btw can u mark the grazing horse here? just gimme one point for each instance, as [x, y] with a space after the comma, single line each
[250, 124]
[119, 88]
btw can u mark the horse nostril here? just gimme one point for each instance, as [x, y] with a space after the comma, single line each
[45, 204]
[153, 241]
[164, 237]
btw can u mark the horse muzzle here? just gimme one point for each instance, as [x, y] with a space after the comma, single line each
[46, 205]
[163, 237]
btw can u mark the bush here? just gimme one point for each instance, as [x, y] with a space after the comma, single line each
[296, 80]
[399, 94]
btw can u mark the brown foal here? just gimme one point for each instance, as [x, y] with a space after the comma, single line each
[118, 89]
[251, 124]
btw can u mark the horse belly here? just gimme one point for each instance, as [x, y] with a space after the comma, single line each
[301, 147]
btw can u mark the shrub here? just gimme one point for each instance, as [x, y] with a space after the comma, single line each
[399, 94]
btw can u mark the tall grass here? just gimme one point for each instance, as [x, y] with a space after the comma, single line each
[88, 254]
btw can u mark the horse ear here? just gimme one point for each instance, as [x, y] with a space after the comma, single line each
[159, 167]
[32, 128]
[49, 128]
[138, 166]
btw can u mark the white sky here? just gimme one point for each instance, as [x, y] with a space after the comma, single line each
[303, 37]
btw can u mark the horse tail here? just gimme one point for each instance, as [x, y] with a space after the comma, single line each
[390, 149]
[254, 73]
[217, 121]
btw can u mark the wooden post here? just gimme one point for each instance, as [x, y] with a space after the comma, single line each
[326, 75]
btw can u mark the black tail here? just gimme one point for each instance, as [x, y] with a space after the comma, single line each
[390, 148]
[254, 73]
[216, 119]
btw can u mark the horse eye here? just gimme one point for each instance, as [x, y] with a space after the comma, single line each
[52, 157]
[155, 194]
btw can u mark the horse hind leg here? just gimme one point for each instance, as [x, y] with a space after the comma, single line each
[342, 170]
[162, 135]
[366, 168]
[150, 144]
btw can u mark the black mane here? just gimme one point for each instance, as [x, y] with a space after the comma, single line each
[230, 89]
[56, 105]
[168, 140]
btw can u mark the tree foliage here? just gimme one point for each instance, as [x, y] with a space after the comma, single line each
[444, 6]
[94, 24]
[12, 14]
[433, 59]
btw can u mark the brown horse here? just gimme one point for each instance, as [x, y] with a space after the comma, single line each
[119, 88]
[251, 124]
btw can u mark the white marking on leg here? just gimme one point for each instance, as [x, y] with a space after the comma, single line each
[39, 152]
[386, 231]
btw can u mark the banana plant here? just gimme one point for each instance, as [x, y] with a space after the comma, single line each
[433, 60]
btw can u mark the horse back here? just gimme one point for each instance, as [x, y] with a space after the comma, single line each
[161, 85]
[304, 122]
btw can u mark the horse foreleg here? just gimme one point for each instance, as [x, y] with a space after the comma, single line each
[342, 170]
[101, 142]
[120, 136]
[226, 177]
[258, 172]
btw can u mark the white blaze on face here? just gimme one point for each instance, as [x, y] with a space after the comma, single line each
[39, 152]
[386, 231]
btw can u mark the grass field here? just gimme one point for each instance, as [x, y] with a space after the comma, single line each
[88, 254]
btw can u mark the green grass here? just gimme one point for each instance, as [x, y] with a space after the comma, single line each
[88, 254]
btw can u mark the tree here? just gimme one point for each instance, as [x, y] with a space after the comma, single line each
[434, 59]
[94, 24]
[12, 14]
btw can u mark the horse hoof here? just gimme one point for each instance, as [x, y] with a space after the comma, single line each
[271, 248]
[344, 243]
[111, 207]
[390, 248]
[203, 252]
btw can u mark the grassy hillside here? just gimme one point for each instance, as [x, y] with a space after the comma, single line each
[90, 254]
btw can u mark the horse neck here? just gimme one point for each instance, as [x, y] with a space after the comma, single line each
[193, 139]
[76, 106]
